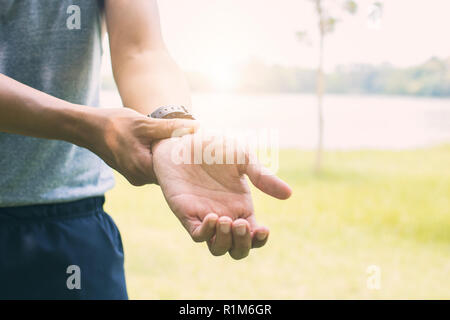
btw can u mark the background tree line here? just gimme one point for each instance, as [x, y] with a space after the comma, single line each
[432, 78]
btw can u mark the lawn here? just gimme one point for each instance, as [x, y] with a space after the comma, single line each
[390, 209]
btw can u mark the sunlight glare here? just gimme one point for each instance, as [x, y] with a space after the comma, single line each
[223, 77]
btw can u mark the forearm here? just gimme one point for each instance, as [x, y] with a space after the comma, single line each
[146, 75]
[148, 79]
[30, 112]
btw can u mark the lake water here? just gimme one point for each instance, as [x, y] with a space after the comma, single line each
[351, 121]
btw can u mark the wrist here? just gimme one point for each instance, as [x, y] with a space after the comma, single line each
[83, 125]
[155, 144]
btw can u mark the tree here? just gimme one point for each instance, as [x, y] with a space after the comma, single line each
[326, 24]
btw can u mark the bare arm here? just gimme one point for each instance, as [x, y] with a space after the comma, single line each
[27, 111]
[121, 137]
[146, 76]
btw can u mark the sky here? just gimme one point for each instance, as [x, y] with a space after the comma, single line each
[215, 36]
[204, 35]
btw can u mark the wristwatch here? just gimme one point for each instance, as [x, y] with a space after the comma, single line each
[171, 112]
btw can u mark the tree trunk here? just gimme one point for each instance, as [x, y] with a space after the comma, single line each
[320, 90]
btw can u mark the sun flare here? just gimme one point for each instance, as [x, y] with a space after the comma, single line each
[223, 77]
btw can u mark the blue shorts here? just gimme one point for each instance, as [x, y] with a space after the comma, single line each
[61, 251]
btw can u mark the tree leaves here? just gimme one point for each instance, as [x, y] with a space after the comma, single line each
[350, 6]
[303, 37]
[329, 24]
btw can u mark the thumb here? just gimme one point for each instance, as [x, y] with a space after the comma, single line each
[166, 128]
[267, 182]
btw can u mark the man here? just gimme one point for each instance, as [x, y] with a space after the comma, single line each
[54, 143]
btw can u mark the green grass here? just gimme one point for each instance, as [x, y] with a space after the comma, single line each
[384, 208]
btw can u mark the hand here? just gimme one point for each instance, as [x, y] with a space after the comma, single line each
[125, 137]
[213, 201]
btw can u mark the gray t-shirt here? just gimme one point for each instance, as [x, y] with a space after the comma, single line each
[55, 47]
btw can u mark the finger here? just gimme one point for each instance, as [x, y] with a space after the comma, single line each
[241, 239]
[206, 229]
[223, 240]
[268, 182]
[260, 237]
[260, 234]
[166, 128]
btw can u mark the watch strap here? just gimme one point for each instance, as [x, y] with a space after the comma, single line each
[171, 112]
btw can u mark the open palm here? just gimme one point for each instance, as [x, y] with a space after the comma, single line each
[213, 201]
